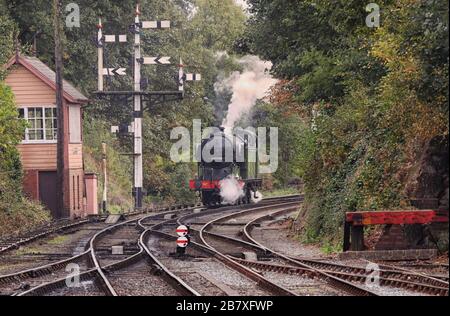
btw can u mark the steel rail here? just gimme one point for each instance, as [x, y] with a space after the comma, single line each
[333, 281]
[361, 278]
[248, 272]
[422, 277]
[43, 232]
[263, 282]
[96, 272]
[409, 281]
[51, 230]
[183, 220]
[428, 284]
[385, 271]
[42, 270]
[406, 280]
[171, 277]
[260, 280]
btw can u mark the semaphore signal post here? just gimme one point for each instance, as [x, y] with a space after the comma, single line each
[142, 100]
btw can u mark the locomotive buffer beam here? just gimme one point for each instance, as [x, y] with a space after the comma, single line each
[256, 183]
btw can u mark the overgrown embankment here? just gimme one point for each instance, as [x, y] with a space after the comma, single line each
[119, 166]
[372, 101]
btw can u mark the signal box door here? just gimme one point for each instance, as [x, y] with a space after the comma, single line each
[48, 192]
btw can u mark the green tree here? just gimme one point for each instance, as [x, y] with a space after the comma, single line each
[7, 31]
[11, 127]
[217, 24]
[373, 97]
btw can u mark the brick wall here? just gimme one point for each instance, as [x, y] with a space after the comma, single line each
[31, 184]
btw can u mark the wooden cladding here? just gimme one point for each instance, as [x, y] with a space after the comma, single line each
[38, 156]
[28, 88]
[43, 156]
[75, 156]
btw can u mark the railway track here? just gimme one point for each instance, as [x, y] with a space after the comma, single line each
[432, 271]
[51, 279]
[339, 276]
[204, 284]
[221, 237]
[54, 227]
[390, 275]
[270, 284]
[387, 277]
[350, 279]
[8, 244]
[33, 272]
[234, 278]
[95, 265]
[248, 215]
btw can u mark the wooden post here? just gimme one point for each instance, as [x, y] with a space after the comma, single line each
[62, 166]
[346, 246]
[105, 182]
[357, 238]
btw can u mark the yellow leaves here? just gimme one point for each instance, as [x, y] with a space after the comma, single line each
[428, 122]
[416, 120]
[386, 47]
[159, 161]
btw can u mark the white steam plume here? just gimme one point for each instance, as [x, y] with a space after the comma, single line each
[247, 87]
[259, 197]
[230, 190]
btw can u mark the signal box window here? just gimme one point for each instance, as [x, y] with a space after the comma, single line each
[42, 124]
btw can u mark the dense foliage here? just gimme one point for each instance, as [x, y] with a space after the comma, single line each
[201, 31]
[16, 212]
[372, 98]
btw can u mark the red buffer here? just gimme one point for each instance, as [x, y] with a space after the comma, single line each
[395, 218]
[355, 222]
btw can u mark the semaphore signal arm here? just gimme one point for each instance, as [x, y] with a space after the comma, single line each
[136, 96]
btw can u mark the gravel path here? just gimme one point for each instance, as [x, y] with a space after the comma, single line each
[218, 278]
[86, 288]
[281, 241]
[302, 286]
[140, 280]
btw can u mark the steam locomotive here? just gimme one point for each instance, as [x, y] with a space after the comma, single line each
[221, 165]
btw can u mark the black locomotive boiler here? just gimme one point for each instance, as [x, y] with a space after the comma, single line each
[232, 161]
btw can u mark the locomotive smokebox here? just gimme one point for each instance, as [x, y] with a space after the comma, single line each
[226, 156]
